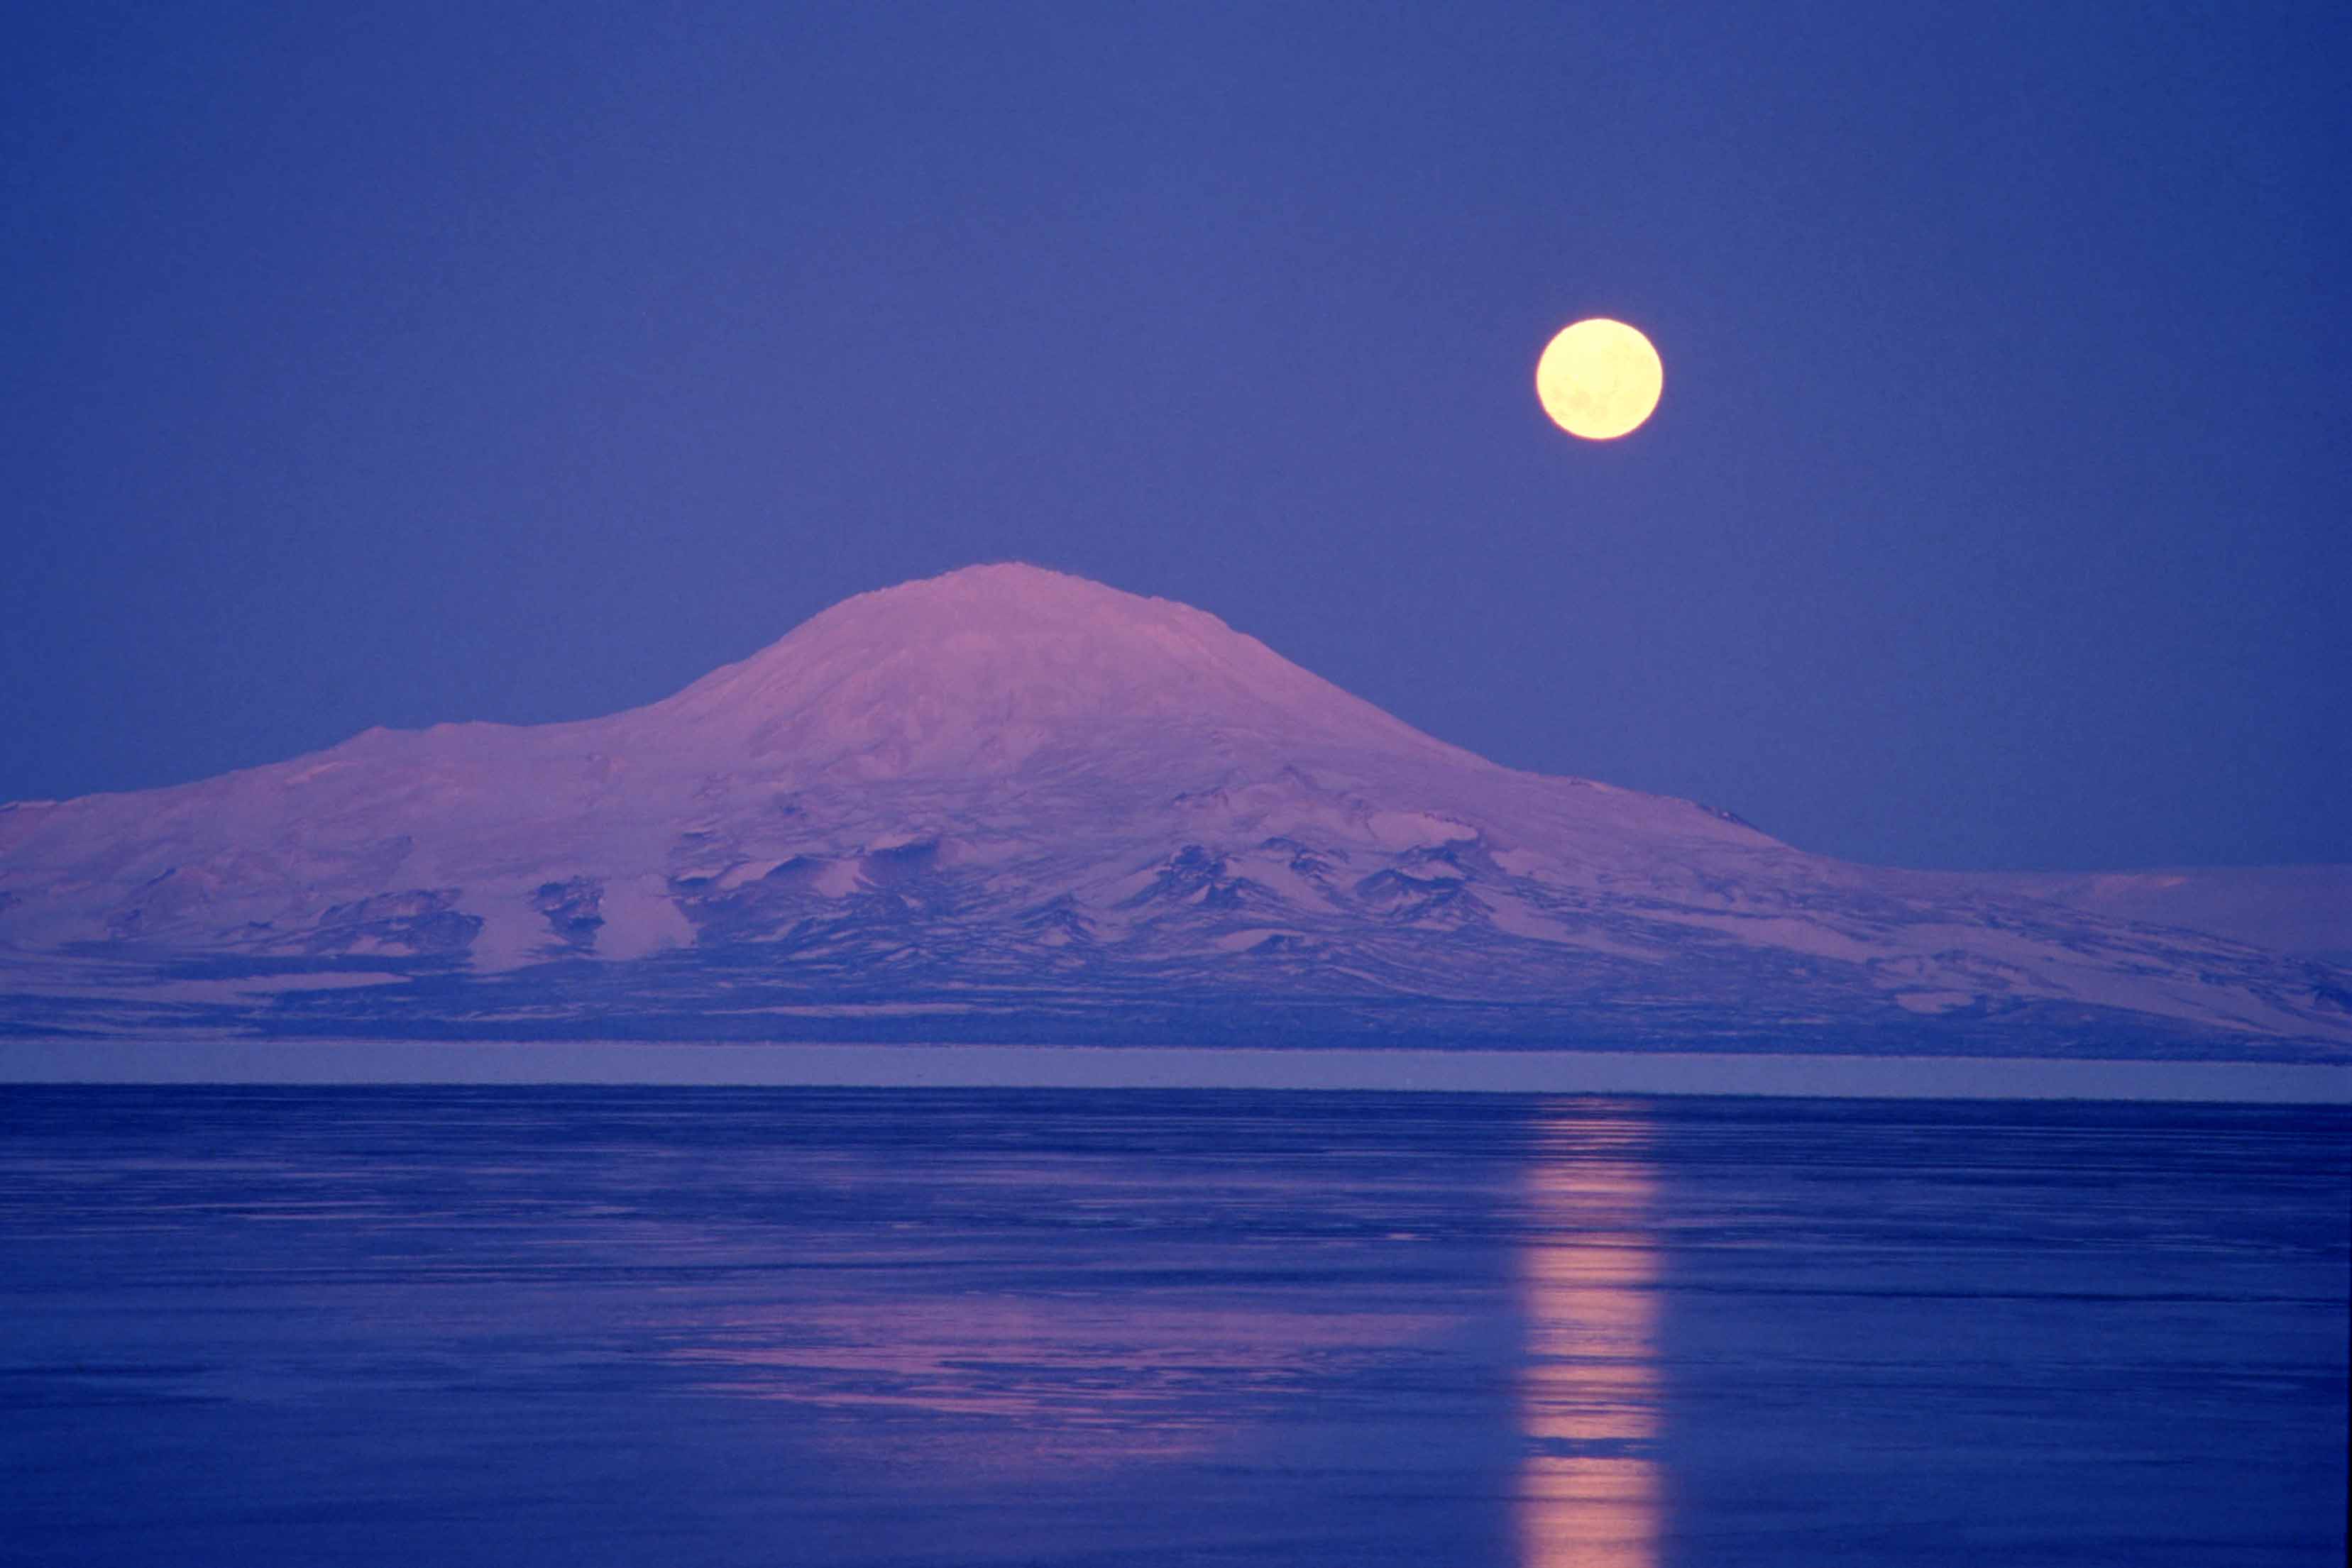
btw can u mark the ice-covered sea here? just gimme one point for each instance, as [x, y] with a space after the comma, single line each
[516, 1326]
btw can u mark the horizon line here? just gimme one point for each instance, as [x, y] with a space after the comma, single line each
[320, 1064]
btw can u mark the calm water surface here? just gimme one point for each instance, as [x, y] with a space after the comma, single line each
[523, 1326]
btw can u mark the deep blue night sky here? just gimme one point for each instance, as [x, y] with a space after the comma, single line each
[417, 366]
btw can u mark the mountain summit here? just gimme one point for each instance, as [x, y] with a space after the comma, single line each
[985, 667]
[1008, 803]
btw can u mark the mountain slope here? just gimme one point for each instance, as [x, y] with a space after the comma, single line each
[1009, 802]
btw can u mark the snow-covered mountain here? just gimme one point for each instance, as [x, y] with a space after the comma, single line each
[1007, 803]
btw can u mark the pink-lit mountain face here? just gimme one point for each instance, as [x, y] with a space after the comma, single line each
[1006, 803]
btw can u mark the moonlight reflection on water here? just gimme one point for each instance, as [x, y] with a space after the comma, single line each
[1589, 1396]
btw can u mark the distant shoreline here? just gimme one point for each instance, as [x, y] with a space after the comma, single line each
[870, 1066]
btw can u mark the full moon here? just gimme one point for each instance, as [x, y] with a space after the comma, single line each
[1599, 379]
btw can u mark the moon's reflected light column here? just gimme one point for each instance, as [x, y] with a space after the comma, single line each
[1589, 1490]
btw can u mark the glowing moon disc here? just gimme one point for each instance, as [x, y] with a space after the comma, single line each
[1599, 379]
